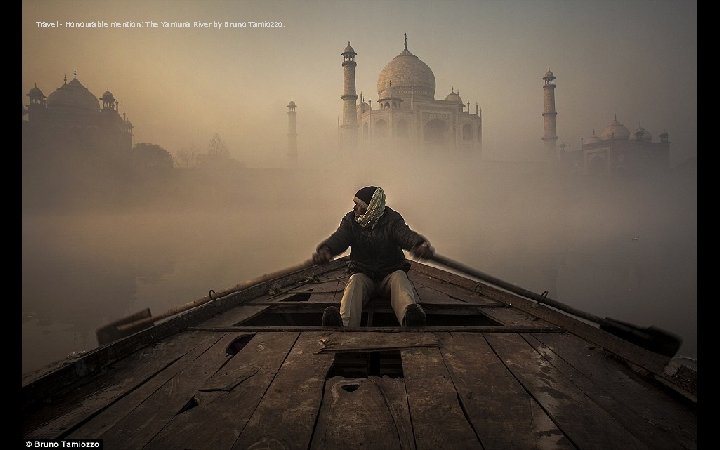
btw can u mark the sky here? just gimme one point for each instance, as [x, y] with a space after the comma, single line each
[636, 59]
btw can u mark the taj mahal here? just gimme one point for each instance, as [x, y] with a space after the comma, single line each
[70, 125]
[406, 113]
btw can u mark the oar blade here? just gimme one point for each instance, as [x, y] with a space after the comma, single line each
[110, 332]
[650, 338]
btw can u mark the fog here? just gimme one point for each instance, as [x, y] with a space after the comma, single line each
[179, 86]
[102, 239]
[616, 248]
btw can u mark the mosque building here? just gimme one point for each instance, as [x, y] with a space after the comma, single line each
[406, 113]
[72, 118]
[618, 151]
[615, 151]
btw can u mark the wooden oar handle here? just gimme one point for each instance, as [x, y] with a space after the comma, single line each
[512, 288]
[651, 338]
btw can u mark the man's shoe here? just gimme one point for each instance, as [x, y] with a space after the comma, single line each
[414, 316]
[331, 317]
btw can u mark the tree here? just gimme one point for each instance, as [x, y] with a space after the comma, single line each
[187, 157]
[217, 149]
[151, 156]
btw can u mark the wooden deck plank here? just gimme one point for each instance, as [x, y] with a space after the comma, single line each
[634, 354]
[366, 342]
[437, 417]
[395, 395]
[119, 409]
[422, 280]
[286, 415]
[355, 414]
[502, 413]
[388, 330]
[124, 376]
[340, 273]
[315, 297]
[328, 287]
[428, 295]
[511, 317]
[289, 299]
[324, 288]
[229, 398]
[234, 316]
[651, 414]
[583, 421]
[137, 429]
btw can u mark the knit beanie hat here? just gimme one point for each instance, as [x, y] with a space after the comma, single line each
[374, 198]
[365, 194]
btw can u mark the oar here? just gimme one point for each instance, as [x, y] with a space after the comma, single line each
[143, 319]
[650, 338]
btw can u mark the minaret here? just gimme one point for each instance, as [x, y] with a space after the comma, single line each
[349, 126]
[37, 102]
[108, 101]
[549, 116]
[292, 132]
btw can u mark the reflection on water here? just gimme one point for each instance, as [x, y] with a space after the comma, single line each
[628, 255]
[81, 272]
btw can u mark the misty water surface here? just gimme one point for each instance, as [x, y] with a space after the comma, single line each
[615, 249]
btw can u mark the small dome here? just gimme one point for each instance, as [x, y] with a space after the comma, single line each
[454, 97]
[107, 96]
[35, 92]
[73, 95]
[615, 130]
[348, 50]
[641, 135]
[592, 139]
[291, 104]
[549, 75]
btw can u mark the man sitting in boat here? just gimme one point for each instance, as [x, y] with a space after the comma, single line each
[377, 236]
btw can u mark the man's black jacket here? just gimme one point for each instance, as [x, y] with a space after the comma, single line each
[376, 251]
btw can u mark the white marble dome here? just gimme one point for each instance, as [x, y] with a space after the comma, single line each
[592, 139]
[409, 76]
[454, 97]
[615, 130]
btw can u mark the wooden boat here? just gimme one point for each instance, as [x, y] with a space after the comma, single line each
[254, 369]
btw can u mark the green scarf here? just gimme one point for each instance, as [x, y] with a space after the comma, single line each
[375, 209]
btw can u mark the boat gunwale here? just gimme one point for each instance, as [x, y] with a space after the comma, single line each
[66, 374]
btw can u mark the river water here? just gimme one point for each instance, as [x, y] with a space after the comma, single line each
[628, 254]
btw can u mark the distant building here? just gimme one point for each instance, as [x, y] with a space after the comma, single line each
[73, 119]
[292, 133]
[614, 151]
[549, 116]
[618, 151]
[406, 113]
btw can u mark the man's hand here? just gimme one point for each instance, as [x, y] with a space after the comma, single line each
[423, 250]
[322, 256]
